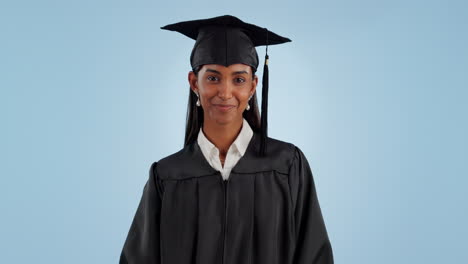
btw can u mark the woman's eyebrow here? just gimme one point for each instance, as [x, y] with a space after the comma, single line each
[234, 73]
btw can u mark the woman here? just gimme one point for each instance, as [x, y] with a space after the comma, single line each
[231, 195]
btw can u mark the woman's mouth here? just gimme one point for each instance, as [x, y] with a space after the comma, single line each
[224, 108]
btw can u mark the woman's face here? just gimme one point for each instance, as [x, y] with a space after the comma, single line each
[223, 91]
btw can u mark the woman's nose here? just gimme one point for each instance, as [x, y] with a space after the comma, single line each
[225, 90]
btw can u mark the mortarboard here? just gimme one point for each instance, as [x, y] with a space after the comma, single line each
[227, 40]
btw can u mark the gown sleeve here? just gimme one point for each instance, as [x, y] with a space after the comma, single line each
[312, 243]
[142, 245]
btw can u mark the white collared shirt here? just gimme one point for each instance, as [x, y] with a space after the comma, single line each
[235, 151]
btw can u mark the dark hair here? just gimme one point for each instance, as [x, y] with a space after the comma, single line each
[194, 118]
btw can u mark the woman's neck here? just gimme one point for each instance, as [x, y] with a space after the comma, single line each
[222, 135]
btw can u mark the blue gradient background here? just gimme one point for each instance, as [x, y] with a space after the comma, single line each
[373, 92]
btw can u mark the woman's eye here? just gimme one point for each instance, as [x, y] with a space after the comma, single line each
[212, 78]
[240, 80]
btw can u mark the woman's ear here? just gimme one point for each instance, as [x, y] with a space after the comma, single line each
[254, 84]
[193, 81]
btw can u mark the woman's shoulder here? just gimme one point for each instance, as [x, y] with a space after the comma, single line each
[281, 151]
[182, 164]
[281, 146]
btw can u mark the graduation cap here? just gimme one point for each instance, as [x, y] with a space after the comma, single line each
[227, 40]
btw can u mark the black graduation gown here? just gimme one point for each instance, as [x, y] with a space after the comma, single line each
[267, 212]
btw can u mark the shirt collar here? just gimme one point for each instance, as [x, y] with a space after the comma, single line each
[241, 142]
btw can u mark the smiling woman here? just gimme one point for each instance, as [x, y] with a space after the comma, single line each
[221, 89]
[231, 194]
[237, 86]
[223, 93]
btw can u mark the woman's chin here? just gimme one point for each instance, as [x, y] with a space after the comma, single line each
[225, 118]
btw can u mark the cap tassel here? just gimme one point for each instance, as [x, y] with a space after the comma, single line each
[264, 115]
